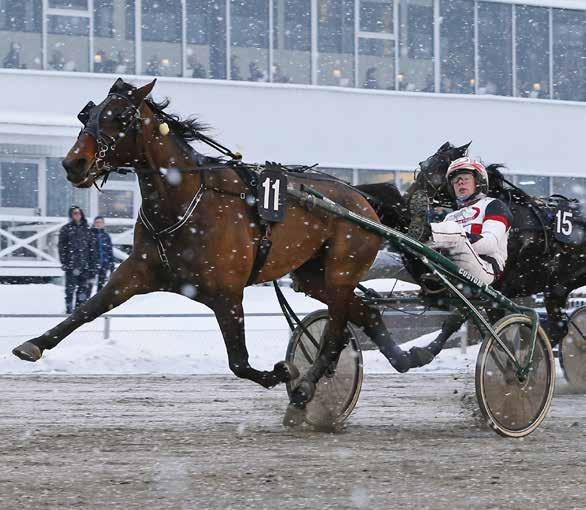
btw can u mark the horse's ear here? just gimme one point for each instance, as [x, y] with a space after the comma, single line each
[139, 95]
[444, 147]
[464, 148]
[118, 85]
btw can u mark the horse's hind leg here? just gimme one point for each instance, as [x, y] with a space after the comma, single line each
[230, 316]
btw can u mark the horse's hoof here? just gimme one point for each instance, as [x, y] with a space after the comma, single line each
[286, 371]
[28, 351]
[294, 416]
[302, 393]
[420, 357]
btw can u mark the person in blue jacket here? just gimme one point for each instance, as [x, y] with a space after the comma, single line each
[104, 254]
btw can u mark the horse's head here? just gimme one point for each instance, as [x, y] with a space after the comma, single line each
[106, 140]
[433, 170]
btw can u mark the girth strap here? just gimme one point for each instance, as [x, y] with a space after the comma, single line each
[264, 247]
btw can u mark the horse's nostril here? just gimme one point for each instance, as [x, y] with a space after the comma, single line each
[74, 166]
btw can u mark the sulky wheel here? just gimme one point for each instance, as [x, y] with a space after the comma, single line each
[515, 405]
[572, 350]
[338, 390]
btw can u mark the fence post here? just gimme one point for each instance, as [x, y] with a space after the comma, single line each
[106, 327]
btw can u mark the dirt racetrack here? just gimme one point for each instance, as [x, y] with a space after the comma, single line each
[216, 442]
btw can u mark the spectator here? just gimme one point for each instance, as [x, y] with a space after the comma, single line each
[12, 58]
[197, 70]
[255, 73]
[57, 61]
[371, 81]
[104, 255]
[278, 76]
[235, 68]
[78, 258]
[121, 63]
[153, 67]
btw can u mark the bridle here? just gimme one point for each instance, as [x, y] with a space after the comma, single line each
[90, 115]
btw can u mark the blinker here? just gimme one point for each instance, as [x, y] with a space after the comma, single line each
[84, 115]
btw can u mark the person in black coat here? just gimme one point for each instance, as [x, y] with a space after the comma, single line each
[77, 252]
[104, 254]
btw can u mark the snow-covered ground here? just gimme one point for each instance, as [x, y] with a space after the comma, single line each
[183, 345]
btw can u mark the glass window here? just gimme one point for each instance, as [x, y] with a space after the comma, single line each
[61, 195]
[341, 173]
[376, 63]
[249, 36]
[375, 176]
[161, 38]
[20, 34]
[376, 16]
[569, 55]
[416, 46]
[80, 5]
[405, 180]
[19, 184]
[457, 46]
[536, 185]
[114, 203]
[114, 49]
[206, 39]
[570, 187]
[335, 41]
[68, 43]
[495, 49]
[292, 41]
[532, 44]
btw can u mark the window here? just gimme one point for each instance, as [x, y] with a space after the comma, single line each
[335, 41]
[532, 44]
[341, 173]
[161, 36]
[495, 49]
[68, 43]
[292, 41]
[79, 5]
[375, 176]
[114, 203]
[416, 71]
[376, 58]
[113, 49]
[19, 184]
[536, 185]
[206, 39]
[457, 46]
[376, 16]
[570, 187]
[60, 194]
[20, 34]
[569, 55]
[249, 35]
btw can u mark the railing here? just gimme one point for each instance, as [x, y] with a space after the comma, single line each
[31, 242]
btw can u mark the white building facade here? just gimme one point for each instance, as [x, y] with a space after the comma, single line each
[367, 89]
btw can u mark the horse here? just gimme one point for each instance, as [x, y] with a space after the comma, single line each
[199, 229]
[537, 262]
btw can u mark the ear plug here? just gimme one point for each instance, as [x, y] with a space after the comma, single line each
[164, 128]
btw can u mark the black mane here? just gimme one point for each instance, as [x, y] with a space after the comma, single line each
[186, 130]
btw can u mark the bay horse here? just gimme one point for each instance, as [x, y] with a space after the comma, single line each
[198, 229]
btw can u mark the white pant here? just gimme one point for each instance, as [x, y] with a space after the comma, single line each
[464, 256]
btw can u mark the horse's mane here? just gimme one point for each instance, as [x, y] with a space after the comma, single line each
[187, 129]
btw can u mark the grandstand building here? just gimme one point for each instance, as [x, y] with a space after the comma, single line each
[365, 88]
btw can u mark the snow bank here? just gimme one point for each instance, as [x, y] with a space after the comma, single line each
[166, 345]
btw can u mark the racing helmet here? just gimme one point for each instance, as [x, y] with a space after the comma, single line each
[468, 165]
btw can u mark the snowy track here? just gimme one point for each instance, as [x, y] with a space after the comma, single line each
[215, 442]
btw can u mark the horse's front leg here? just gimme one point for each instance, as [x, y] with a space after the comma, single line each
[131, 278]
[230, 316]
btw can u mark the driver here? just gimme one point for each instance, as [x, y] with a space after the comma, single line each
[475, 235]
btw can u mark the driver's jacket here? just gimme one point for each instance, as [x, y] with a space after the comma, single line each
[486, 224]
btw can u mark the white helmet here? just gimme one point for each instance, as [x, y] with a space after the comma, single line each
[468, 165]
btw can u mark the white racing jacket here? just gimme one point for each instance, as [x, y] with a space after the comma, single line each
[484, 224]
